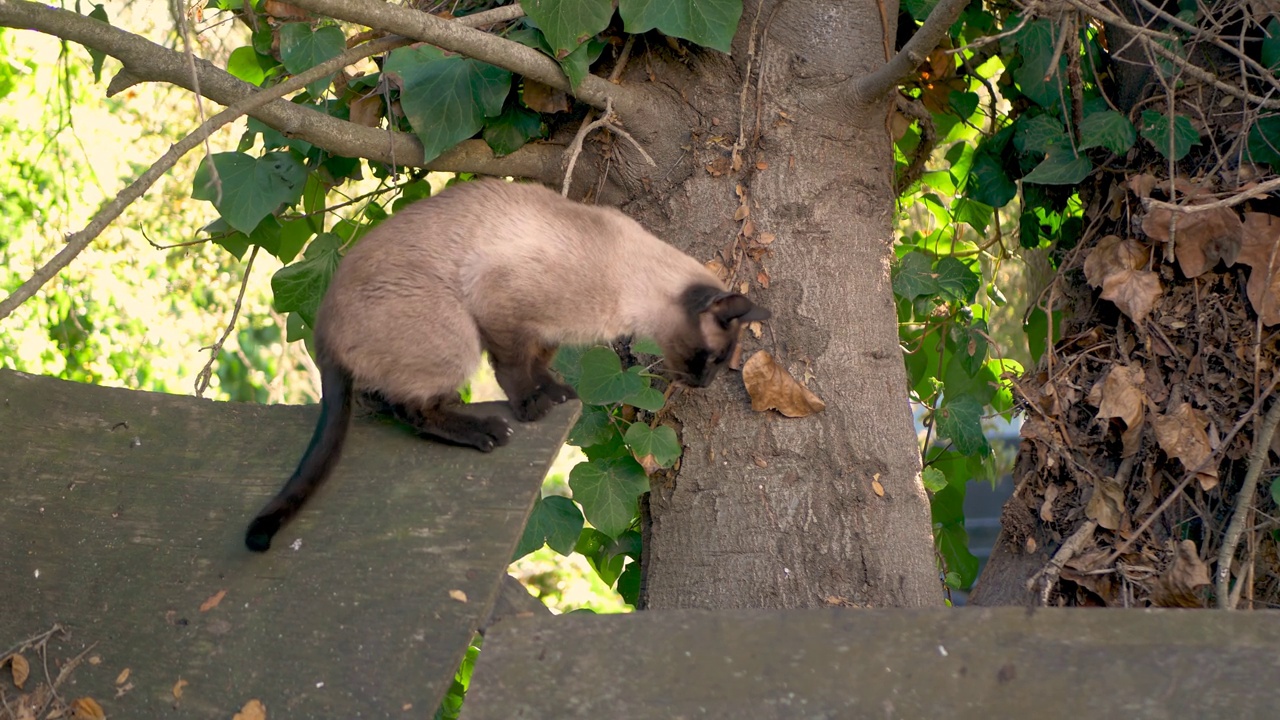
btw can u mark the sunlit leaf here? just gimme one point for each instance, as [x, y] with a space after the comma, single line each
[710, 23]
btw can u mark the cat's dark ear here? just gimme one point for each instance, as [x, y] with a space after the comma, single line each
[730, 306]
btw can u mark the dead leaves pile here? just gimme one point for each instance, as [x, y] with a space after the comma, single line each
[1136, 406]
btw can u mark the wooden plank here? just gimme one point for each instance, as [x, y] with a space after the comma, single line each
[976, 663]
[122, 512]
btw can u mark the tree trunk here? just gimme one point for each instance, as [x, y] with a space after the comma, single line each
[767, 511]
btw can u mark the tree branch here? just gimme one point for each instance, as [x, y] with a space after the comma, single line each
[145, 61]
[917, 49]
[446, 34]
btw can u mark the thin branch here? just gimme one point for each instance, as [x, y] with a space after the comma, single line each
[1244, 499]
[206, 373]
[917, 49]
[1258, 190]
[145, 61]
[406, 21]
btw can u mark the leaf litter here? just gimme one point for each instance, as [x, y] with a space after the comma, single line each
[1133, 445]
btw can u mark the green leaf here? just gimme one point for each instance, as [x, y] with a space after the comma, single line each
[1039, 134]
[709, 23]
[953, 545]
[302, 48]
[509, 131]
[1264, 141]
[977, 214]
[446, 99]
[629, 583]
[1271, 45]
[956, 280]
[933, 479]
[1036, 328]
[1060, 167]
[568, 362]
[1108, 129]
[300, 287]
[958, 382]
[566, 24]
[646, 397]
[964, 103]
[251, 188]
[646, 345]
[1156, 130]
[1035, 44]
[244, 64]
[608, 490]
[913, 277]
[594, 426]
[602, 381]
[988, 182]
[660, 442]
[578, 64]
[97, 56]
[293, 237]
[555, 521]
[1275, 491]
[960, 419]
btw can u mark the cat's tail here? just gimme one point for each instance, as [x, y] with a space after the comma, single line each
[316, 464]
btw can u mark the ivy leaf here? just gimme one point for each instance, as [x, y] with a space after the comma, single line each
[1264, 141]
[933, 479]
[608, 490]
[629, 584]
[578, 64]
[956, 280]
[709, 23]
[1156, 129]
[953, 545]
[300, 287]
[960, 420]
[251, 188]
[302, 48]
[913, 277]
[645, 398]
[446, 98]
[566, 24]
[568, 362]
[957, 382]
[602, 381]
[555, 521]
[1108, 129]
[988, 182]
[243, 63]
[594, 426]
[1040, 134]
[660, 442]
[964, 103]
[509, 131]
[646, 345]
[1060, 167]
[1271, 45]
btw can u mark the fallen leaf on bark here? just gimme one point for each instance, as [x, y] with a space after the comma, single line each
[1106, 506]
[86, 708]
[122, 677]
[252, 710]
[1134, 292]
[178, 688]
[544, 98]
[1178, 586]
[458, 595]
[1046, 508]
[367, 110]
[1113, 255]
[771, 387]
[20, 669]
[1183, 434]
[213, 601]
[876, 487]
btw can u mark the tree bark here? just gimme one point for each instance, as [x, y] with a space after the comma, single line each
[767, 511]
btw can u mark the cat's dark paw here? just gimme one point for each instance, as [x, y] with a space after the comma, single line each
[533, 406]
[495, 432]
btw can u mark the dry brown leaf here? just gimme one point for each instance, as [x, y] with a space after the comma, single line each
[1183, 434]
[1143, 184]
[1113, 255]
[742, 212]
[766, 238]
[122, 677]
[762, 165]
[213, 601]
[771, 387]
[1134, 292]
[762, 277]
[649, 464]
[252, 710]
[748, 229]
[1120, 394]
[544, 98]
[1178, 586]
[278, 9]
[1106, 506]
[1259, 252]
[1046, 508]
[458, 595]
[367, 110]
[20, 668]
[1202, 238]
[876, 487]
[86, 708]
[178, 687]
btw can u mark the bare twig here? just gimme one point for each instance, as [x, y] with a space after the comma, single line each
[1259, 190]
[1047, 577]
[605, 121]
[916, 50]
[32, 641]
[206, 373]
[1244, 499]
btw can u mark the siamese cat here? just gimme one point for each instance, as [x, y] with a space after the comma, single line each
[512, 269]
